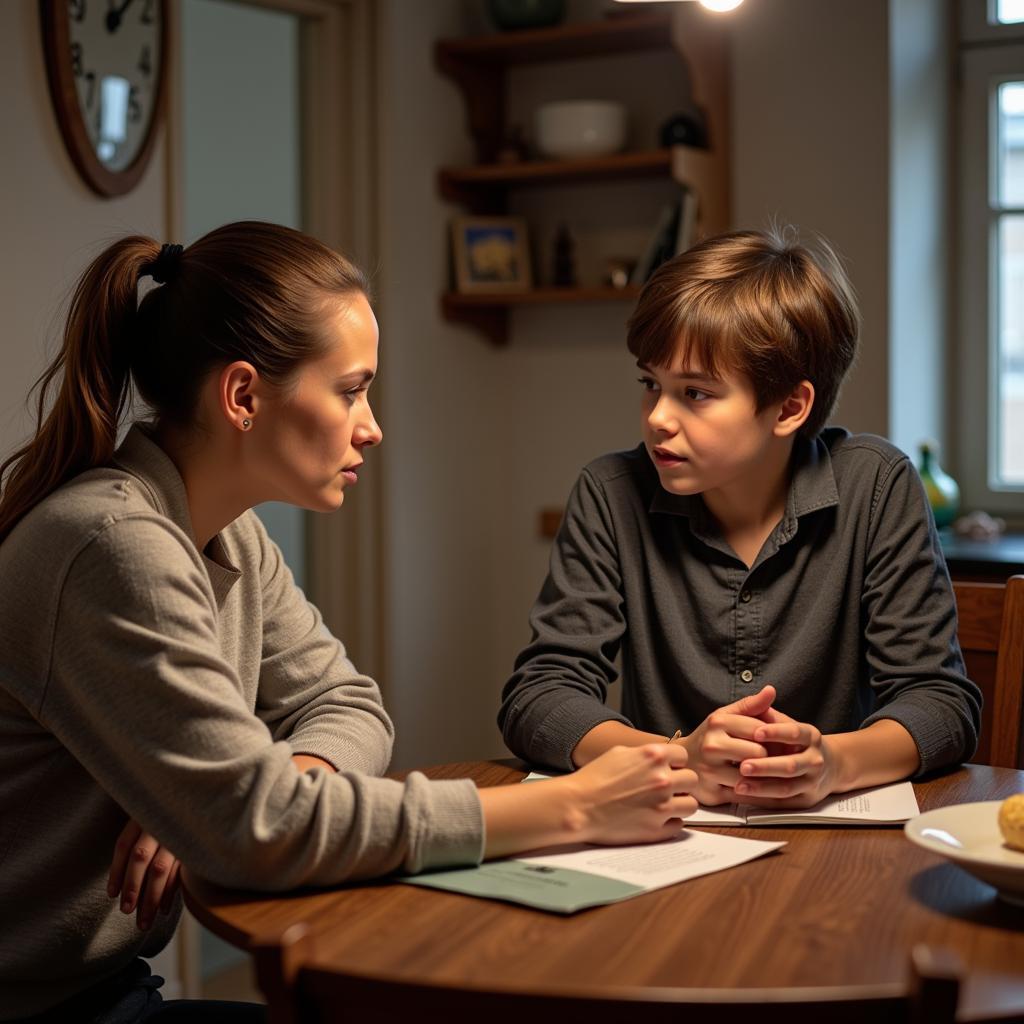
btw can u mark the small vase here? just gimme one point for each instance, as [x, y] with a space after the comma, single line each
[516, 14]
[942, 490]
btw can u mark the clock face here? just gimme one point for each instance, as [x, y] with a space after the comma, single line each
[115, 53]
[106, 65]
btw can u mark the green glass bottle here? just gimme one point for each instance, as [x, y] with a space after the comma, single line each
[942, 490]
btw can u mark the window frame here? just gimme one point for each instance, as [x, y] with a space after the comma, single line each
[989, 55]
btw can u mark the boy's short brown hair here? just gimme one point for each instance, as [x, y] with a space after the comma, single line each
[757, 303]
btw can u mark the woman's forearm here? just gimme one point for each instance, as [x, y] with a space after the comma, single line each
[524, 817]
[607, 735]
[630, 795]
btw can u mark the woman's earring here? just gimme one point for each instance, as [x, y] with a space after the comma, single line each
[246, 424]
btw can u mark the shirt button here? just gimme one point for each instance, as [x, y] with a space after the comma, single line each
[745, 596]
[746, 675]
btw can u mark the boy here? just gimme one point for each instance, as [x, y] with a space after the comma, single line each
[776, 589]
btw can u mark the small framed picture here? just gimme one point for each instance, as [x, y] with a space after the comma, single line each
[491, 254]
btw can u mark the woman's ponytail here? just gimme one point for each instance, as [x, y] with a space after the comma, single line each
[92, 371]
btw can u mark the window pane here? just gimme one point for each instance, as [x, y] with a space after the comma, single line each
[1008, 11]
[1010, 354]
[1011, 144]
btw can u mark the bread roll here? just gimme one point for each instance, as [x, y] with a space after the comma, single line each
[1011, 821]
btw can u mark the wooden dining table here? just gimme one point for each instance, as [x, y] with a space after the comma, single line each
[836, 906]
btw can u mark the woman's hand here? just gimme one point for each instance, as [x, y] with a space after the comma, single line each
[144, 874]
[632, 795]
[800, 767]
[725, 740]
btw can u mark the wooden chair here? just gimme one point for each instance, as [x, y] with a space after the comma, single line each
[299, 991]
[991, 632]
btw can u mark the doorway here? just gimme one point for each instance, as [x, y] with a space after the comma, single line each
[270, 118]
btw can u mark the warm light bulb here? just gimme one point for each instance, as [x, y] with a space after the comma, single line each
[711, 5]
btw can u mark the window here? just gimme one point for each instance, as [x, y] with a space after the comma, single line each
[1008, 216]
[988, 411]
[1009, 11]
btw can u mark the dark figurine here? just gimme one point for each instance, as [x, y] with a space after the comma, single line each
[514, 148]
[565, 268]
[688, 129]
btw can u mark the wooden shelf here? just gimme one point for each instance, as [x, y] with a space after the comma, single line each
[488, 311]
[617, 34]
[479, 187]
[479, 67]
[477, 64]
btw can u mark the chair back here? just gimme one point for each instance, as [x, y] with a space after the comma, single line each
[301, 990]
[991, 633]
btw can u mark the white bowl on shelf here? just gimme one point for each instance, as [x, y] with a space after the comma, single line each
[573, 129]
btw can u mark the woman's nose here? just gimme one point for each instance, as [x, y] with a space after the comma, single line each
[368, 432]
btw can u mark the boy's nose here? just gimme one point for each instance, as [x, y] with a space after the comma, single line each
[662, 419]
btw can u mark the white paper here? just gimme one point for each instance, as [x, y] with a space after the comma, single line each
[724, 814]
[891, 804]
[655, 865]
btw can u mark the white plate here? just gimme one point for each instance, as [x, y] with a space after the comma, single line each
[969, 836]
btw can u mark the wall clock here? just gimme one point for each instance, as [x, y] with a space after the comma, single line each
[106, 64]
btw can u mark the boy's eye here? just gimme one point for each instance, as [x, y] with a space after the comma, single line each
[648, 383]
[696, 395]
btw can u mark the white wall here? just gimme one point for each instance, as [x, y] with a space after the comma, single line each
[811, 148]
[440, 435]
[52, 225]
[921, 285]
[841, 126]
[477, 439]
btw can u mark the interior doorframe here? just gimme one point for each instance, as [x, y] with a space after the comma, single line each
[344, 553]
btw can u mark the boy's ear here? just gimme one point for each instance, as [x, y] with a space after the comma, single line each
[795, 409]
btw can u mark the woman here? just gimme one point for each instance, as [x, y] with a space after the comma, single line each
[164, 681]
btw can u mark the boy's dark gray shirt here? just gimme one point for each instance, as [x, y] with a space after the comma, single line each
[848, 610]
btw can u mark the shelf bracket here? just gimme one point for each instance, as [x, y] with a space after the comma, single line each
[481, 201]
[492, 322]
[483, 89]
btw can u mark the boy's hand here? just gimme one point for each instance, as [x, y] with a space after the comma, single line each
[724, 740]
[799, 769]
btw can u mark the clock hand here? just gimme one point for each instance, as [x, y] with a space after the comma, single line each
[115, 14]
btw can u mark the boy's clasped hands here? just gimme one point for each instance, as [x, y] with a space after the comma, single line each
[750, 752]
